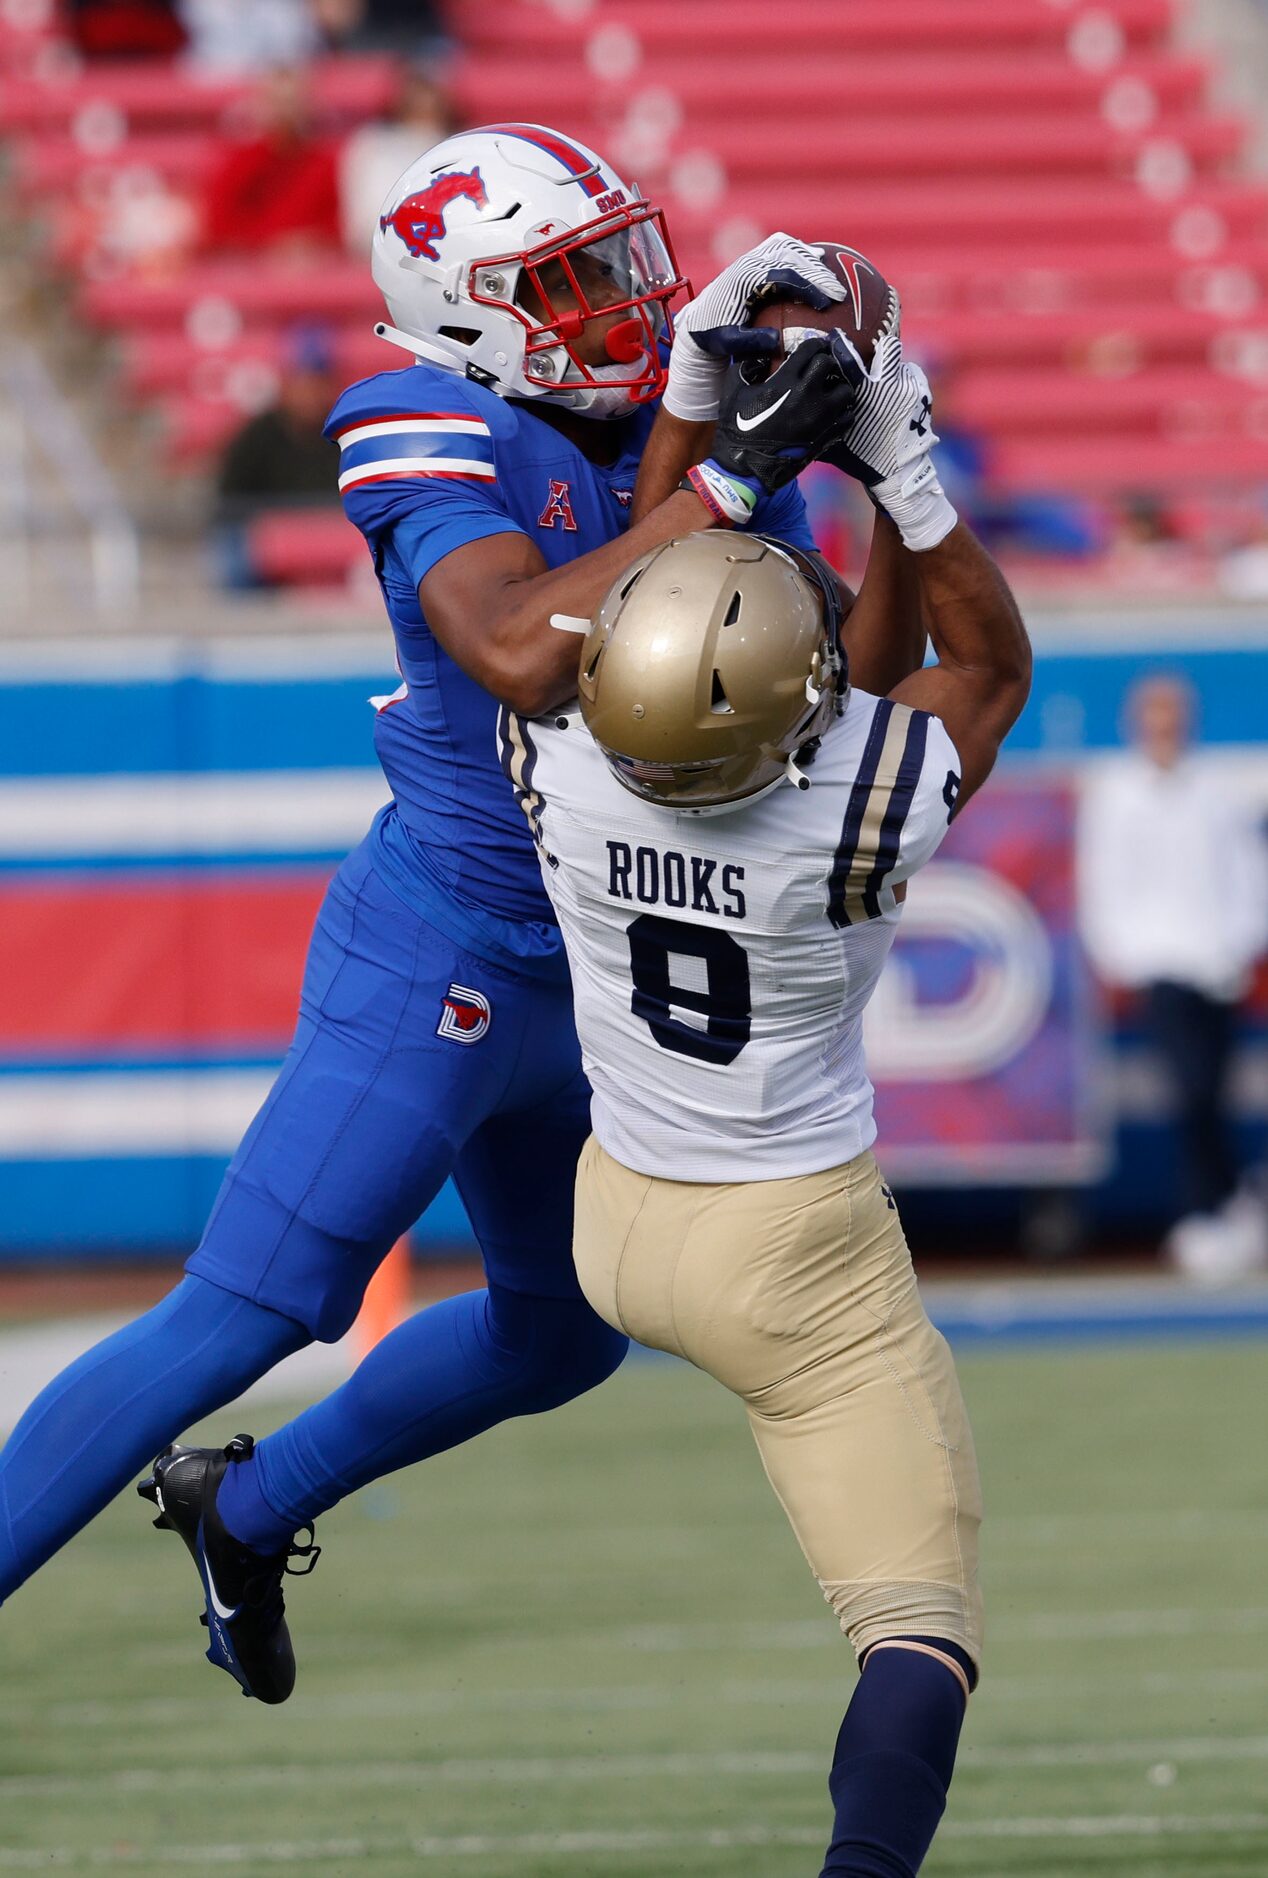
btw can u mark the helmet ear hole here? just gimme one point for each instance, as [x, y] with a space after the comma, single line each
[719, 703]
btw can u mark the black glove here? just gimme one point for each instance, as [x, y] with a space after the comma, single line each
[770, 427]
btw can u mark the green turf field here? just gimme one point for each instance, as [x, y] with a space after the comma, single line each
[587, 1645]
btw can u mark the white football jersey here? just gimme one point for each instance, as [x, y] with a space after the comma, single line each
[721, 963]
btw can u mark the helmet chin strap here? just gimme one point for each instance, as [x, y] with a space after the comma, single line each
[604, 402]
[420, 348]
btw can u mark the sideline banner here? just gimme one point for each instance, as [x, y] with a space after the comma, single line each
[979, 1037]
[170, 812]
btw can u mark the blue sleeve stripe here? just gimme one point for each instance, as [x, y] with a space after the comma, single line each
[396, 469]
[379, 449]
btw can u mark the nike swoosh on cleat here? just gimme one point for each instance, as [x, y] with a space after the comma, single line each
[751, 423]
[226, 1611]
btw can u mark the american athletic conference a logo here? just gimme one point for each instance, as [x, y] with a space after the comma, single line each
[420, 219]
[465, 1015]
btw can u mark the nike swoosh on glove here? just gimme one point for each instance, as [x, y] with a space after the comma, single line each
[714, 327]
[888, 439]
[769, 429]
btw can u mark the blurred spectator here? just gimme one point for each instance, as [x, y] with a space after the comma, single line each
[126, 29]
[1148, 553]
[1174, 906]
[407, 26]
[279, 458]
[377, 153]
[1243, 571]
[280, 187]
[248, 36]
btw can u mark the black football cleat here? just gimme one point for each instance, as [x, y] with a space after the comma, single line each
[245, 1612]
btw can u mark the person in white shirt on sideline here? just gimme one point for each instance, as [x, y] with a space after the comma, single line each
[724, 933]
[1173, 892]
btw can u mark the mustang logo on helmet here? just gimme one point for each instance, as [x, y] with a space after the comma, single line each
[420, 219]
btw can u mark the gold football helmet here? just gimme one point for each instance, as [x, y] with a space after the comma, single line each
[710, 664]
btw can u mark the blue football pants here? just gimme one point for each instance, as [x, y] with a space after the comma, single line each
[374, 1108]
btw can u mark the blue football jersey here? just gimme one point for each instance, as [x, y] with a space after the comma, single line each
[429, 462]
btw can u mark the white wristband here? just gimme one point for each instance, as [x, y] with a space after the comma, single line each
[694, 388]
[917, 504]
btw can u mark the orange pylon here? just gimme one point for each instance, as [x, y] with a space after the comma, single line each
[387, 1300]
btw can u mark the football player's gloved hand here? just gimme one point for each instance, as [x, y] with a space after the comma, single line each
[714, 327]
[769, 428]
[888, 438]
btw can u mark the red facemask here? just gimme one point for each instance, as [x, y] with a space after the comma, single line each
[623, 264]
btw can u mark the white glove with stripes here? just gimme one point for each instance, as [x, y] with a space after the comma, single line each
[714, 328]
[887, 442]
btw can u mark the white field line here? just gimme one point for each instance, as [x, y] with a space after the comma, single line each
[1113, 1826]
[608, 1843]
[175, 1711]
[131, 1781]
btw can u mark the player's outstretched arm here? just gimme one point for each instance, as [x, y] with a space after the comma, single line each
[982, 678]
[673, 446]
[884, 633]
[490, 604]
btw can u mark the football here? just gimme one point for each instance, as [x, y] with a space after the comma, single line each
[870, 307]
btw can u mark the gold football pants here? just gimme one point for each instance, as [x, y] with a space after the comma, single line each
[799, 1295]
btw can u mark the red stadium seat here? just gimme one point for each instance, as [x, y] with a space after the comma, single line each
[157, 361]
[146, 97]
[1091, 339]
[869, 150]
[710, 83]
[30, 42]
[872, 25]
[1177, 404]
[1102, 212]
[1118, 466]
[1048, 185]
[221, 297]
[54, 165]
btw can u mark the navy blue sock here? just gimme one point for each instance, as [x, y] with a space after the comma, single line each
[452, 1371]
[894, 1759]
[99, 1423]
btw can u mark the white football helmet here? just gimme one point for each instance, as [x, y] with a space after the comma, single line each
[479, 231]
